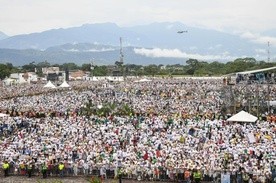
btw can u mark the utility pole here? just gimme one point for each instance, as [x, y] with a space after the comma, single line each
[121, 62]
[121, 52]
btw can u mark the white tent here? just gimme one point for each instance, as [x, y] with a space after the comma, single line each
[64, 84]
[243, 116]
[49, 85]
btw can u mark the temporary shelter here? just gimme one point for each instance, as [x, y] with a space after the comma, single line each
[243, 116]
[49, 85]
[64, 85]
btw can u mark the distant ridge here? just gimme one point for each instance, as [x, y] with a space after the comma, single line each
[80, 53]
[75, 44]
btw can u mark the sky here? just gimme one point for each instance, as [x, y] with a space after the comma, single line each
[252, 20]
[246, 17]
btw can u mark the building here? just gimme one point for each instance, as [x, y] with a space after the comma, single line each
[47, 70]
[77, 75]
[21, 78]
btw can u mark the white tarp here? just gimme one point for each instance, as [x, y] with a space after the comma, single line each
[64, 85]
[243, 116]
[49, 85]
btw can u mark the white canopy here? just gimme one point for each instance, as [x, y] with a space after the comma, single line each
[243, 116]
[49, 85]
[64, 84]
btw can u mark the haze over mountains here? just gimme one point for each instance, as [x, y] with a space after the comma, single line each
[156, 43]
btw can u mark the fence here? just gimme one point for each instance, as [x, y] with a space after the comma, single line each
[177, 175]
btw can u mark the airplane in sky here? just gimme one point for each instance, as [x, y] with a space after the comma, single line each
[180, 32]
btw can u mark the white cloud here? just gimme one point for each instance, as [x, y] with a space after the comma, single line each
[72, 50]
[258, 38]
[176, 53]
[100, 50]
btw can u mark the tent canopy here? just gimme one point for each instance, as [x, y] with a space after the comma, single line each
[243, 116]
[64, 84]
[49, 85]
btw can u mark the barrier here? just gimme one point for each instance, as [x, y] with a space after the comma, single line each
[163, 175]
[174, 175]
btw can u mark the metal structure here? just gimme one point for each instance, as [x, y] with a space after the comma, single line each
[121, 52]
[92, 67]
[251, 97]
[268, 51]
[118, 69]
[229, 102]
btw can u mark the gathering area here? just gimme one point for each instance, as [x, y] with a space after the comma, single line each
[157, 129]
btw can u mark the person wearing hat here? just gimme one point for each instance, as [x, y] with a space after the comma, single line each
[6, 167]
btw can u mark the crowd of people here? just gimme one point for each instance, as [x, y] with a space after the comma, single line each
[171, 126]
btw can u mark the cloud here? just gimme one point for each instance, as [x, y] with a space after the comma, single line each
[258, 38]
[176, 53]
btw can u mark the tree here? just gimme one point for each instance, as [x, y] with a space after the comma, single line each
[70, 66]
[29, 67]
[86, 67]
[192, 66]
[100, 71]
[151, 70]
[5, 71]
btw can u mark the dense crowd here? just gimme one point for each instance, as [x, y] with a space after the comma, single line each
[173, 126]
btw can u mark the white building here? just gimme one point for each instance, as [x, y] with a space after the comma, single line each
[20, 78]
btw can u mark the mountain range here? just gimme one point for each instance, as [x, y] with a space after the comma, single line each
[144, 44]
[3, 35]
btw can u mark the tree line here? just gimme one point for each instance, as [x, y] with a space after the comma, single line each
[193, 67]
